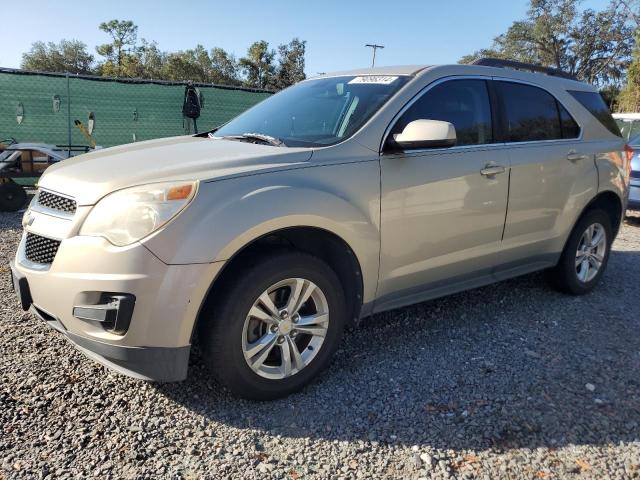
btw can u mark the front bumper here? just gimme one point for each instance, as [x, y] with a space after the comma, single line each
[157, 342]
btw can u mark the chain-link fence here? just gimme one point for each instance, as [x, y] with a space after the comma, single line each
[54, 108]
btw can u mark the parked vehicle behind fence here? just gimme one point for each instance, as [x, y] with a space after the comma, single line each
[345, 195]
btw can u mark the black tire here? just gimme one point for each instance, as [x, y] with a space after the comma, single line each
[12, 196]
[564, 276]
[221, 332]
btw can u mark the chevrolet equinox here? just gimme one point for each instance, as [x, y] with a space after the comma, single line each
[345, 195]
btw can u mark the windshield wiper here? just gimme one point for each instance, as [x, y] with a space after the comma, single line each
[267, 139]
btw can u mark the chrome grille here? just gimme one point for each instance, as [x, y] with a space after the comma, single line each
[39, 249]
[56, 202]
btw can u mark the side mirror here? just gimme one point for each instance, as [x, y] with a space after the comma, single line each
[426, 134]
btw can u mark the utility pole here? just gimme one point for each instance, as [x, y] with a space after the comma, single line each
[375, 47]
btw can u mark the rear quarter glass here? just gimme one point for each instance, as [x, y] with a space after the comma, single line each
[596, 105]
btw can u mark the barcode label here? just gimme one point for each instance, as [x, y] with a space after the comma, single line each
[375, 79]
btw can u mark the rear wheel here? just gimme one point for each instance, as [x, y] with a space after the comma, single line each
[12, 196]
[585, 256]
[271, 332]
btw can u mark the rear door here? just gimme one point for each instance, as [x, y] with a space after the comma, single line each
[551, 174]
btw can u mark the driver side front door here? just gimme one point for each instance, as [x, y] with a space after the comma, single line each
[443, 210]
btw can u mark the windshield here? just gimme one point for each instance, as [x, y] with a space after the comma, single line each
[316, 112]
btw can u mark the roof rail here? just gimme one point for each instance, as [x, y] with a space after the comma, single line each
[499, 63]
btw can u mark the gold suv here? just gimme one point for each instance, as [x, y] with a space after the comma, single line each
[345, 195]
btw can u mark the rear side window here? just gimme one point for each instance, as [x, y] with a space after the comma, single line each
[531, 113]
[463, 103]
[593, 102]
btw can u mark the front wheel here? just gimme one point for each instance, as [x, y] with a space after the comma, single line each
[268, 334]
[585, 256]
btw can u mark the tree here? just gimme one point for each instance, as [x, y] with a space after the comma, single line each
[192, 64]
[125, 57]
[150, 60]
[258, 65]
[629, 98]
[290, 63]
[124, 35]
[593, 46]
[225, 68]
[67, 56]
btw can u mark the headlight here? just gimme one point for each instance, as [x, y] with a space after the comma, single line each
[128, 215]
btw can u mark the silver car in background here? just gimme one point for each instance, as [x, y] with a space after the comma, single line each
[345, 195]
[634, 187]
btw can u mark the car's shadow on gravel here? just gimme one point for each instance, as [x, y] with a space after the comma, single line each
[510, 365]
[633, 220]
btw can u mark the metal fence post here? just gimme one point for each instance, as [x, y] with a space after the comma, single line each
[68, 114]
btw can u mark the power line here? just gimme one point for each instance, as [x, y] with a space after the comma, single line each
[374, 47]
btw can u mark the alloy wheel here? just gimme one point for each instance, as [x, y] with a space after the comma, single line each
[285, 328]
[592, 248]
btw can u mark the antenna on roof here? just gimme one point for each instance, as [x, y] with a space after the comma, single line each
[375, 47]
[529, 67]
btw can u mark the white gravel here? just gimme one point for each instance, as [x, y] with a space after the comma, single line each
[508, 381]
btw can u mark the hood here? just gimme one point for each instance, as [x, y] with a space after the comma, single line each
[91, 176]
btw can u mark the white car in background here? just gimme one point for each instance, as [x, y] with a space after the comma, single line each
[629, 124]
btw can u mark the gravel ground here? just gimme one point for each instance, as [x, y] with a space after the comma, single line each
[508, 381]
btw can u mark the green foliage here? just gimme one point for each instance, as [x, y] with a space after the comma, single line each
[291, 67]
[629, 98]
[595, 46]
[258, 65]
[225, 67]
[611, 94]
[124, 56]
[67, 56]
[124, 35]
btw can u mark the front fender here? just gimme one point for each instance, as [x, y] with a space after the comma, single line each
[228, 215]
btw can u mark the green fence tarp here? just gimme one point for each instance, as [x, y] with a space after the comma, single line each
[124, 110]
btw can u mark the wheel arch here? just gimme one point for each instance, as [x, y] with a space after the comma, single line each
[606, 200]
[320, 242]
[610, 202]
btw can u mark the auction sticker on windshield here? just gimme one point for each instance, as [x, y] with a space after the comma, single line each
[375, 79]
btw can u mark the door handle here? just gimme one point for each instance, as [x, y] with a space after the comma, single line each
[491, 170]
[574, 156]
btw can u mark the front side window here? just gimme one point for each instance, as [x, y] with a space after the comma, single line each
[463, 103]
[531, 113]
[317, 112]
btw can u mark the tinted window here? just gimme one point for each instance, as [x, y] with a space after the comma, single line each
[464, 103]
[593, 102]
[570, 128]
[531, 113]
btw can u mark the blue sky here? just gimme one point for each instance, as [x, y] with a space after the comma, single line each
[413, 31]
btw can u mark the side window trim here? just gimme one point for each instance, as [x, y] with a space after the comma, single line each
[423, 92]
[503, 119]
